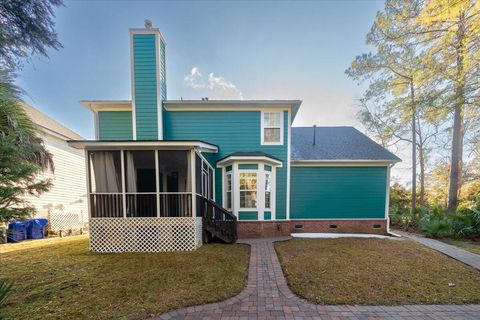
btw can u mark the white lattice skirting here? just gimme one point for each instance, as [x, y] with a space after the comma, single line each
[145, 234]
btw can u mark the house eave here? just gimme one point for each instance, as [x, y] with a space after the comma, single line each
[227, 105]
[229, 160]
[145, 145]
[107, 105]
[343, 162]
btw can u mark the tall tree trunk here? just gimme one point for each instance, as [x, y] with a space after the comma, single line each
[458, 125]
[414, 149]
[421, 159]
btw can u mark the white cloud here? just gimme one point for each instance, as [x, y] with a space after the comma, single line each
[213, 87]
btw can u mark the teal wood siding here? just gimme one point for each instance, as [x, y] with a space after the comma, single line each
[231, 131]
[248, 215]
[247, 166]
[115, 125]
[267, 215]
[338, 192]
[145, 80]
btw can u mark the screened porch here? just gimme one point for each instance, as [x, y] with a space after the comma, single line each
[146, 198]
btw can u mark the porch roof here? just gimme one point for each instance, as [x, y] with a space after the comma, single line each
[143, 144]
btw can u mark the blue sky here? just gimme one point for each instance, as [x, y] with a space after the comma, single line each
[267, 50]
[256, 50]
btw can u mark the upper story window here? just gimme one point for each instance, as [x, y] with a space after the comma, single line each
[272, 127]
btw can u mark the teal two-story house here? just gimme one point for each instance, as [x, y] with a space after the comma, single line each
[169, 174]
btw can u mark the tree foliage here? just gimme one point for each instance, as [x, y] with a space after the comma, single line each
[26, 28]
[424, 89]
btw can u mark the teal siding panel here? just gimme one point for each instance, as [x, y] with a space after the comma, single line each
[246, 166]
[145, 78]
[338, 192]
[231, 131]
[115, 125]
[248, 215]
[267, 215]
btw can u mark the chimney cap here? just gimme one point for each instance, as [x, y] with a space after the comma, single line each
[148, 24]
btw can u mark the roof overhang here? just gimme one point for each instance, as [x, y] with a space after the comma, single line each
[336, 163]
[143, 145]
[107, 105]
[229, 105]
[231, 159]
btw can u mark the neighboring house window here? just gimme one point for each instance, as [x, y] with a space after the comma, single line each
[229, 191]
[268, 190]
[272, 127]
[248, 190]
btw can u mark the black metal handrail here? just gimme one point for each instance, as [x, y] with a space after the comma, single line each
[218, 221]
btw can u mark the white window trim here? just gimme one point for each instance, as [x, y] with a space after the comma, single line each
[262, 128]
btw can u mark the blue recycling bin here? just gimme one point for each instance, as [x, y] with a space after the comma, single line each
[36, 228]
[17, 231]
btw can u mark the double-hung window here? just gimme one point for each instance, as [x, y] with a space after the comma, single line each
[248, 190]
[272, 127]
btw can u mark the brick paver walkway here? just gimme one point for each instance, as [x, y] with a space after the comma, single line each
[267, 296]
[457, 253]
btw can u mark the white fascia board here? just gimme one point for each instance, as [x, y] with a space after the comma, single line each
[178, 145]
[229, 160]
[320, 163]
[107, 105]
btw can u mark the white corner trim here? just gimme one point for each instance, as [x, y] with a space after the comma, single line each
[159, 94]
[132, 81]
[387, 200]
[289, 141]
[262, 128]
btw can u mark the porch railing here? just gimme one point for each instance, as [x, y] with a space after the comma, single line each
[217, 220]
[163, 204]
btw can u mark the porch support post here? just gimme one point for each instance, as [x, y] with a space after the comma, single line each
[89, 191]
[157, 183]
[124, 196]
[193, 180]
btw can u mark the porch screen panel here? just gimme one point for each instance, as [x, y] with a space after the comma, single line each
[105, 184]
[140, 183]
[175, 183]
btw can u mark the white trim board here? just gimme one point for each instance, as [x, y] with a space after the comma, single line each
[338, 235]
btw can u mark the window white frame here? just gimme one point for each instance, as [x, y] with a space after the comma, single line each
[265, 126]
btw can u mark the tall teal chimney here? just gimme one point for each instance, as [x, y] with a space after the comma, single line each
[149, 88]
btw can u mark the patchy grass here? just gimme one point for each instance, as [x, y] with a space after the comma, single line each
[375, 272]
[62, 279]
[471, 246]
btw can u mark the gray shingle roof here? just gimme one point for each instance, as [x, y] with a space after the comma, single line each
[336, 143]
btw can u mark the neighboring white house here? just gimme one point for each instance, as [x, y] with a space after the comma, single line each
[66, 202]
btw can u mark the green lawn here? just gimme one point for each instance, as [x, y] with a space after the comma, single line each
[375, 272]
[62, 279]
[473, 247]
